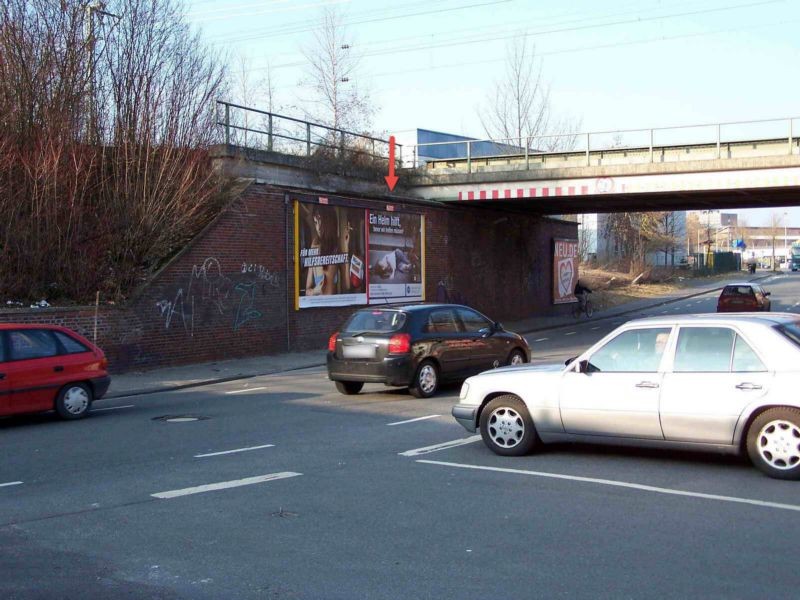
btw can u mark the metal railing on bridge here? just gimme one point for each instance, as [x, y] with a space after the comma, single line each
[262, 130]
[739, 139]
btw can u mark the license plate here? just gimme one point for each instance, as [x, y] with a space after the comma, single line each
[359, 351]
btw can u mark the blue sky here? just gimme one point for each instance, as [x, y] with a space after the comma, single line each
[610, 65]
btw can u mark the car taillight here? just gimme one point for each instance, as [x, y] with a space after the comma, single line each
[332, 342]
[400, 343]
[104, 363]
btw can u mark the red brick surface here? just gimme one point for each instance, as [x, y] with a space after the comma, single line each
[230, 293]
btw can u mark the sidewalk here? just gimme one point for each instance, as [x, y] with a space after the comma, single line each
[173, 378]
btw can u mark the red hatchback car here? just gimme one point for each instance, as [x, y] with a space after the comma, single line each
[743, 297]
[45, 367]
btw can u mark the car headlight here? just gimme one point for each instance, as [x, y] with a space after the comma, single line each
[464, 391]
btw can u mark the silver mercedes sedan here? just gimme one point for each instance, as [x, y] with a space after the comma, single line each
[725, 383]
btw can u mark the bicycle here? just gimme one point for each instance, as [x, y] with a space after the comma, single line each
[584, 307]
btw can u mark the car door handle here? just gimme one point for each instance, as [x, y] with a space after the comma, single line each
[58, 369]
[748, 386]
[647, 384]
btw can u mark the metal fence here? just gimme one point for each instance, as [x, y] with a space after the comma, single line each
[738, 139]
[262, 130]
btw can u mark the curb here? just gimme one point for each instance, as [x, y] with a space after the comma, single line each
[633, 310]
[205, 382]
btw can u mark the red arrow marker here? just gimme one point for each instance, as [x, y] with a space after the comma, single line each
[391, 179]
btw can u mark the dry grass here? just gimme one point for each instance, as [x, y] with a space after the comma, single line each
[612, 288]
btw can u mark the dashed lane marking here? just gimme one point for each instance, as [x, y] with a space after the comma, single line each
[443, 446]
[623, 484]
[413, 420]
[224, 485]
[248, 449]
[571, 333]
[255, 389]
[10, 483]
[594, 328]
[541, 340]
[112, 408]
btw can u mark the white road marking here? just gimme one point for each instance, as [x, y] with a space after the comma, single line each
[570, 333]
[413, 420]
[663, 312]
[593, 328]
[10, 483]
[437, 447]
[234, 451]
[112, 408]
[255, 389]
[223, 485]
[541, 340]
[624, 484]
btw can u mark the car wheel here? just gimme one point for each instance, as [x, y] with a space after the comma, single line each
[426, 380]
[506, 426]
[517, 357]
[589, 309]
[773, 443]
[73, 401]
[348, 388]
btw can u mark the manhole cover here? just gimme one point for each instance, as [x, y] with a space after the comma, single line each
[180, 418]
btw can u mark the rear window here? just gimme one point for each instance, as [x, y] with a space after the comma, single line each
[790, 331]
[71, 345]
[737, 290]
[375, 321]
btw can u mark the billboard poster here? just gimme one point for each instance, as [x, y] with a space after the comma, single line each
[396, 257]
[565, 270]
[330, 243]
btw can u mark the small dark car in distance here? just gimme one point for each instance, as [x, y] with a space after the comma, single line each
[419, 346]
[46, 367]
[743, 297]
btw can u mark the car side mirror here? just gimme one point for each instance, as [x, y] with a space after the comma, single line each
[569, 361]
[497, 326]
[583, 366]
[767, 293]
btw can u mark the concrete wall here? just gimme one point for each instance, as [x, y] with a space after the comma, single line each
[230, 293]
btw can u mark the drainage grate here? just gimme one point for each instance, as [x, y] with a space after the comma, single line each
[180, 418]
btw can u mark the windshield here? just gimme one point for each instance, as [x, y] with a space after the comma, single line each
[375, 321]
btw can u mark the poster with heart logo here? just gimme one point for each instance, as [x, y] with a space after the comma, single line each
[565, 270]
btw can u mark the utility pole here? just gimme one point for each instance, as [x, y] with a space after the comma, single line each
[96, 7]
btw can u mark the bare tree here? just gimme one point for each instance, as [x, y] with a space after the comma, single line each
[332, 74]
[104, 125]
[519, 108]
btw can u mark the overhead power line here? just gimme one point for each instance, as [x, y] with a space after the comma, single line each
[638, 20]
[607, 46]
[293, 29]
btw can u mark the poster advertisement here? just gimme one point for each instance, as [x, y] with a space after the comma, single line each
[396, 257]
[330, 242]
[565, 270]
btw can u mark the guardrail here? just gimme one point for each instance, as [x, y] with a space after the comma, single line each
[259, 129]
[643, 145]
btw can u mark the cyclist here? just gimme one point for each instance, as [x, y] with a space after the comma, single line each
[581, 293]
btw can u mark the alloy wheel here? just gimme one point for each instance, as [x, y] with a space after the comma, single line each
[76, 400]
[427, 379]
[506, 427]
[779, 444]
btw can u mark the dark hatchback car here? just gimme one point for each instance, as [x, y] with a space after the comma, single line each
[419, 346]
[743, 297]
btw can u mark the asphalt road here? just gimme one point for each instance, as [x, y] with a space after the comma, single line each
[375, 496]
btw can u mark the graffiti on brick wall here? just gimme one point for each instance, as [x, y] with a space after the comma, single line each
[262, 273]
[210, 294]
